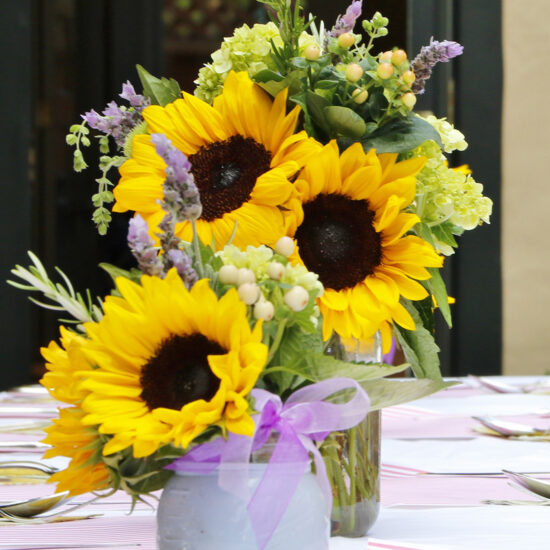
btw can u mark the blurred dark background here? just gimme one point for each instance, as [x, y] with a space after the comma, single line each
[62, 57]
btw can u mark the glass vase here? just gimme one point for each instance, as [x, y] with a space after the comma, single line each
[352, 457]
[194, 513]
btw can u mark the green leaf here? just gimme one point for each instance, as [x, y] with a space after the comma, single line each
[326, 84]
[436, 286]
[443, 233]
[160, 91]
[318, 366]
[344, 122]
[387, 393]
[401, 136]
[316, 105]
[426, 311]
[267, 75]
[114, 272]
[419, 347]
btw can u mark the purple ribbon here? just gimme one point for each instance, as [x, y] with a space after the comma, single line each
[304, 418]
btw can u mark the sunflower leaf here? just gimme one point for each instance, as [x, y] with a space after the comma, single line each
[160, 91]
[387, 393]
[419, 346]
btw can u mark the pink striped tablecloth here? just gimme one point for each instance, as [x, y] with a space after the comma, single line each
[404, 487]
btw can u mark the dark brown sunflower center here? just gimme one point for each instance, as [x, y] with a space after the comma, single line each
[337, 240]
[179, 372]
[225, 173]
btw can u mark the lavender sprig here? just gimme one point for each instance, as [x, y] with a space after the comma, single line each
[117, 121]
[181, 202]
[182, 262]
[435, 52]
[143, 247]
[181, 196]
[346, 23]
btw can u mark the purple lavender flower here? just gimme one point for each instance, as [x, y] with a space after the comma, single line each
[143, 247]
[117, 121]
[182, 262]
[137, 101]
[436, 52]
[346, 23]
[181, 196]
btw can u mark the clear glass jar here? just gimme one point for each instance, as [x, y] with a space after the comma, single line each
[352, 457]
[194, 513]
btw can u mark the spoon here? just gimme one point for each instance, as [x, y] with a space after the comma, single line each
[499, 387]
[503, 427]
[34, 506]
[540, 488]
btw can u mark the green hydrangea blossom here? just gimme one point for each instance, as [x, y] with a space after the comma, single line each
[448, 195]
[453, 139]
[249, 49]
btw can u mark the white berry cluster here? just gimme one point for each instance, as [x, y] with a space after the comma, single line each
[264, 276]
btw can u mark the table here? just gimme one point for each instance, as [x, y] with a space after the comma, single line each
[436, 473]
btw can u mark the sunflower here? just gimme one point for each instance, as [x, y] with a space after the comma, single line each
[70, 438]
[170, 363]
[242, 150]
[351, 230]
[62, 363]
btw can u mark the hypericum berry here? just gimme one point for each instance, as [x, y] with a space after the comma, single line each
[409, 100]
[354, 72]
[385, 57]
[284, 246]
[398, 57]
[275, 270]
[346, 40]
[385, 70]
[228, 274]
[264, 310]
[245, 276]
[408, 77]
[360, 96]
[312, 52]
[297, 298]
[249, 293]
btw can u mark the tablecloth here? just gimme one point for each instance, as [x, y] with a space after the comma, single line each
[437, 472]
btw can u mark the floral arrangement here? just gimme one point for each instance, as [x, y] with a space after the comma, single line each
[295, 202]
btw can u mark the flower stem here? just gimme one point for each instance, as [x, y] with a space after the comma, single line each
[197, 251]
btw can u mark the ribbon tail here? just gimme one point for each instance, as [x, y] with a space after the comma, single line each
[289, 462]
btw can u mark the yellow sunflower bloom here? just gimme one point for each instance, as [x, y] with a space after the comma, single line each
[70, 438]
[350, 229]
[243, 150]
[170, 363]
[62, 363]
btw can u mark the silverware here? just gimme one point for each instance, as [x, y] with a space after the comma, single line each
[506, 428]
[22, 445]
[15, 410]
[33, 506]
[27, 464]
[47, 546]
[499, 387]
[532, 484]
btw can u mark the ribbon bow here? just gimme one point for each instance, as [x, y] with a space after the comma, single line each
[303, 419]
